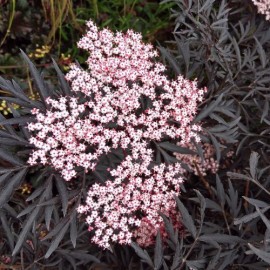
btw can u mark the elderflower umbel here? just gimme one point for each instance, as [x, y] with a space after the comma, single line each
[128, 103]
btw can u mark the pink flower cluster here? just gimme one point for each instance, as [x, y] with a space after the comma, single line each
[124, 100]
[263, 7]
[208, 164]
[122, 210]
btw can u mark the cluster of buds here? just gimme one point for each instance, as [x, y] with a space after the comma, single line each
[5, 108]
[25, 188]
[40, 52]
[65, 61]
[123, 101]
[198, 165]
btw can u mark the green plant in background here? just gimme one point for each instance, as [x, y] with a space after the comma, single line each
[10, 21]
[147, 17]
[58, 25]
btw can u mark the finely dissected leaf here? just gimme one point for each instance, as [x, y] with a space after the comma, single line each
[177, 258]
[199, 150]
[216, 145]
[183, 47]
[22, 120]
[64, 85]
[218, 118]
[10, 210]
[207, 5]
[26, 228]
[224, 126]
[240, 145]
[202, 204]
[48, 190]
[48, 215]
[264, 218]
[70, 260]
[260, 253]
[14, 112]
[261, 52]
[37, 78]
[186, 218]
[20, 93]
[261, 172]
[266, 238]
[196, 264]
[55, 243]
[7, 135]
[220, 191]
[233, 200]
[234, 122]
[249, 217]
[253, 163]
[12, 142]
[4, 154]
[99, 176]
[18, 102]
[265, 110]
[158, 156]
[51, 201]
[3, 178]
[27, 210]
[82, 255]
[123, 256]
[244, 177]
[213, 205]
[14, 89]
[55, 263]
[258, 265]
[228, 260]
[230, 136]
[207, 110]
[143, 254]
[36, 193]
[62, 189]
[56, 229]
[158, 252]
[167, 158]
[238, 54]
[218, 128]
[8, 128]
[212, 264]
[73, 230]
[255, 202]
[175, 148]
[168, 227]
[261, 186]
[6, 228]
[220, 238]
[9, 188]
[172, 61]
[165, 266]
[239, 176]
[219, 24]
